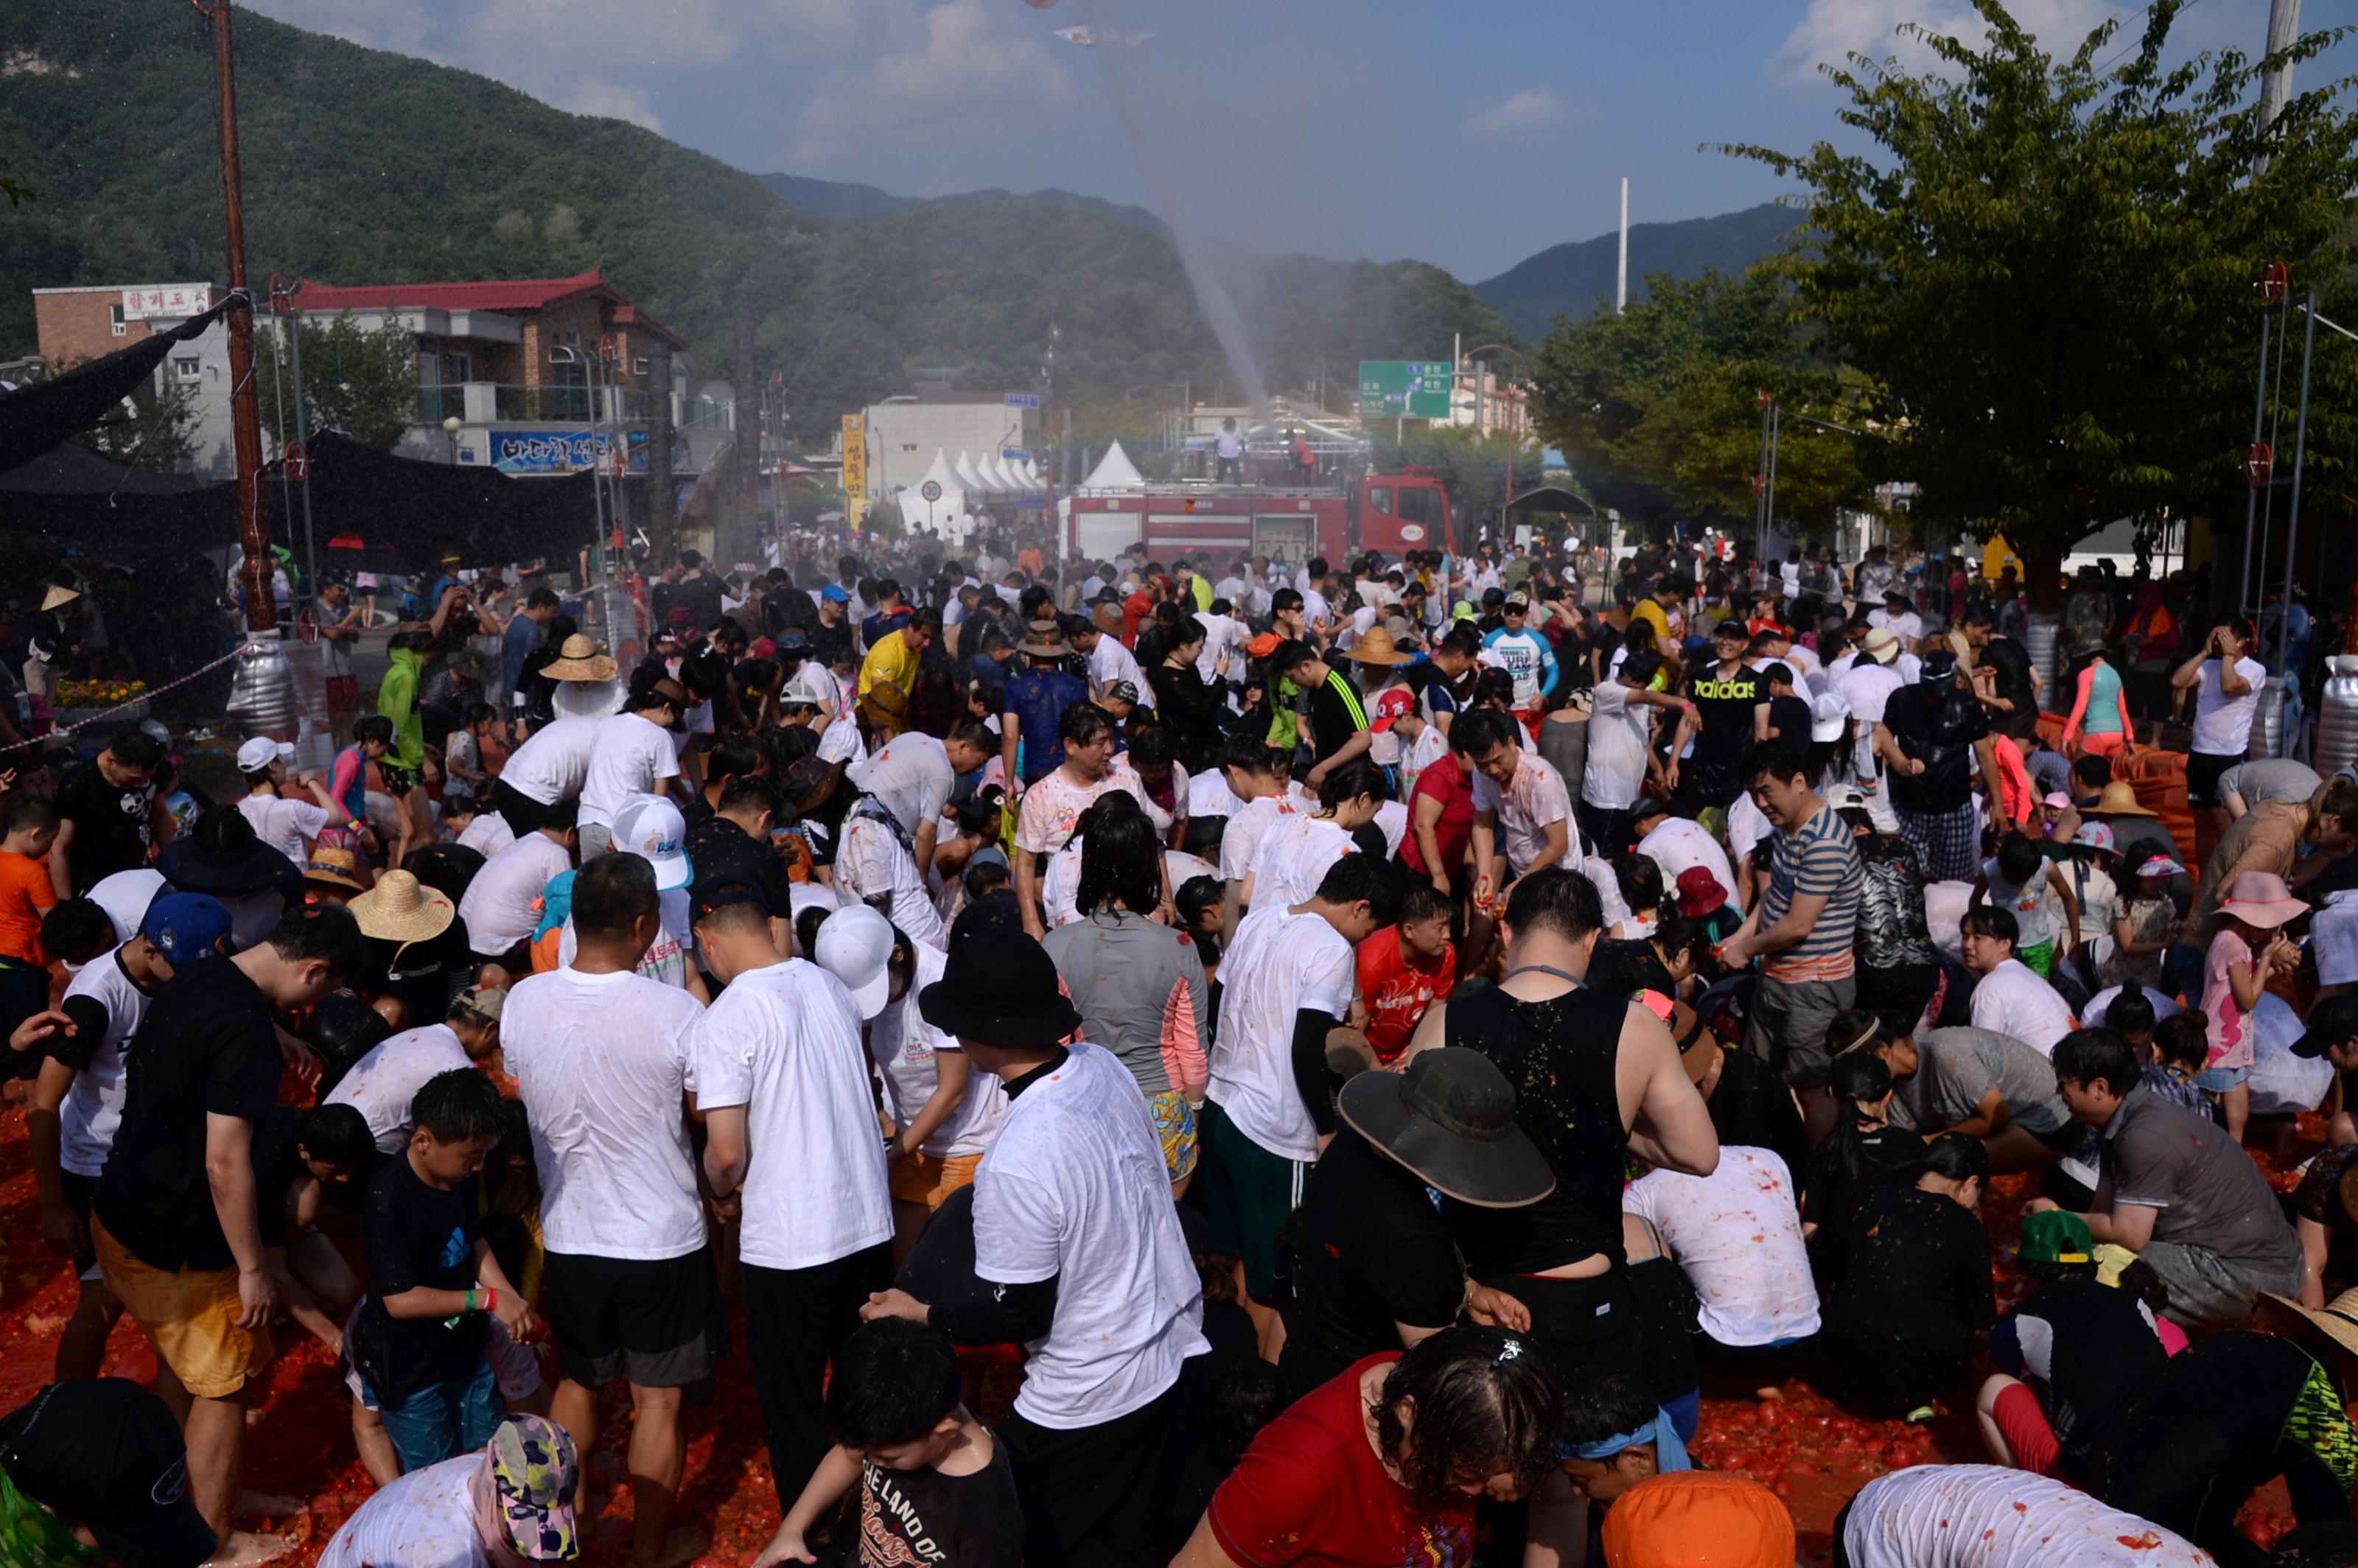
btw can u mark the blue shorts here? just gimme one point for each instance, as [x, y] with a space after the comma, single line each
[2219, 1080]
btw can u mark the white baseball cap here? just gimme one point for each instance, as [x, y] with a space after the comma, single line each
[651, 827]
[260, 752]
[855, 945]
[1827, 712]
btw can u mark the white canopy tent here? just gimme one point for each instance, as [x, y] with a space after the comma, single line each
[1115, 471]
[949, 502]
[970, 477]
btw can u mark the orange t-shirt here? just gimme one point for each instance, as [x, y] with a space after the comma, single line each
[24, 896]
[1398, 991]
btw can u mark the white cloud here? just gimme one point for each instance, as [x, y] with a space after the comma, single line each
[1526, 111]
[962, 70]
[403, 26]
[1835, 29]
[612, 100]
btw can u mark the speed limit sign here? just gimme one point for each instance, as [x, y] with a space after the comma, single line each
[307, 623]
[931, 489]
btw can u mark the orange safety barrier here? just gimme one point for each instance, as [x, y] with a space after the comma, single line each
[2160, 779]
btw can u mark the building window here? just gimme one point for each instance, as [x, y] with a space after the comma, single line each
[115, 319]
[639, 366]
[908, 446]
[187, 369]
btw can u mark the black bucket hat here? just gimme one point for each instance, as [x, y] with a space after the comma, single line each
[999, 988]
[1450, 1118]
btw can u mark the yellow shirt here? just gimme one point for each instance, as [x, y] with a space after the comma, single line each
[892, 661]
[1666, 631]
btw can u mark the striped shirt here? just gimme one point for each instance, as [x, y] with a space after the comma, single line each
[1820, 858]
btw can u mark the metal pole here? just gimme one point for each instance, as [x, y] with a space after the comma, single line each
[2252, 501]
[246, 410]
[2276, 83]
[303, 438]
[1776, 428]
[1760, 490]
[2292, 523]
[1621, 284]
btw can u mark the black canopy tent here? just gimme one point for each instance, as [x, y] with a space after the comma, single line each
[37, 417]
[1552, 498]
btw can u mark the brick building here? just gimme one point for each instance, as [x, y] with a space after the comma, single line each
[71, 325]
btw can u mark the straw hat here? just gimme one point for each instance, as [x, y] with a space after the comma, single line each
[2119, 799]
[1046, 641]
[2261, 898]
[402, 909]
[1375, 646]
[2335, 1324]
[578, 659]
[59, 597]
[334, 868]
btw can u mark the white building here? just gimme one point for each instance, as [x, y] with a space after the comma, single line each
[904, 433]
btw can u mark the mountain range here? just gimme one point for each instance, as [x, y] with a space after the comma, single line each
[851, 289]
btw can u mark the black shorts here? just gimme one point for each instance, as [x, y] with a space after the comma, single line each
[517, 809]
[658, 1323]
[2202, 771]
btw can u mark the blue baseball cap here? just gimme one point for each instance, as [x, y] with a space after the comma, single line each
[837, 592]
[187, 927]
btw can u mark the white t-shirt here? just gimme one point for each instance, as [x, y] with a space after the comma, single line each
[632, 755]
[423, 1520]
[93, 1107]
[783, 1041]
[871, 865]
[497, 908]
[1208, 795]
[2100, 1006]
[1678, 844]
[1248, 825]
[1111, 660]
[1280, 964]
[839, 741]
[1532, 800]
[285, 824]
[554, 760]
[910, 776]
[667, 958]
[2223, 724]
[1908, 626]
[1737, 1234]
[822, 681]
[1294, 859]
[1222, 634]
[2012, 999]
[382, 1083]
[1619, 733]
[1075, 1189]
[1391, 821]
[1988, 1516]
[126, 896]
[486, 835]
[603, 1063]
[904, 1045]
[1055, 804]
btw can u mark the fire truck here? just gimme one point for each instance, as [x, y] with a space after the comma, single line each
[1270, 515]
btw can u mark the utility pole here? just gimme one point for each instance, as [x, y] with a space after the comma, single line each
[1621, 287]
[289, 323]
[2276, 83]
[246, 410]
[746, 490]
[663, 514]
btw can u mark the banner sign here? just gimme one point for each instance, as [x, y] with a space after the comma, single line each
[855, 457]
[560, 451]
[1022, 400]
[171, 300]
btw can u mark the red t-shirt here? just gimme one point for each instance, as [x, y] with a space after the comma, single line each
[1398, 990]
[1311, 1492]
[1444, 782]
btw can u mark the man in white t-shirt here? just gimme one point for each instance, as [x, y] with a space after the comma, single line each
[2009, 997]
[1287, 981]
[501, 908]
[782, 1078]
[1972, 1516]
[1251, 771]
[603, 1061]
[382, 1084]
[1679, 844]
[1052, 804]
[513, 1502]
[1737, 1236]
[913, 775]
[1078, 1255]
[1109, 661]
[631, 752]
[550, 767]
[2228, 682]
[1515, 794]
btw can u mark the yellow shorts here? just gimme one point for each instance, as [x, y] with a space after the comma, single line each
[930, 1179]
[190, 1316]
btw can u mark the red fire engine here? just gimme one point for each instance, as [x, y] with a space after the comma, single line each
[1390, 512]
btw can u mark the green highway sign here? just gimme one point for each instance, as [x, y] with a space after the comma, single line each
[1413, 389]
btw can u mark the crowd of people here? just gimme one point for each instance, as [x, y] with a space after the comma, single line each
[1366, 1042]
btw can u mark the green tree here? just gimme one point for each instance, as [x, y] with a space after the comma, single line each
[1658, 409]
[2044, 267]
[360, 380]
[154, 429]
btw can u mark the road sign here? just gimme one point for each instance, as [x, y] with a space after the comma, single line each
[1022, 400]
[1413, 389]
[307, 623]
[931, 489]
[2260, 464]
[299, 462]
[606, 348]
[2276, 281]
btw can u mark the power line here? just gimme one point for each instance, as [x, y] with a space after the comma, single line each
[2128, 49]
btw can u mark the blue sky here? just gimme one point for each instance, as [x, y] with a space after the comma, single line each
[1469, 133]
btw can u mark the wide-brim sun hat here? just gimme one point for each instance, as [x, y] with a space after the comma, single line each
[249, 867]
[999, 988]
[2119, 799]
[59, 597]
[578, 659]
[1044, 640]
[2261, 898]
[334, 868]
[2334, 1324]
[1450, 1117]
[1880, 641]
[1376, 646]
[402, 909]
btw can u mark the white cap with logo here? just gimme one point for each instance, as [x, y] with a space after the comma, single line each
[651, 827]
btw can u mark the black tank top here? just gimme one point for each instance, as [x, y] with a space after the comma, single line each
[1561, 1055]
